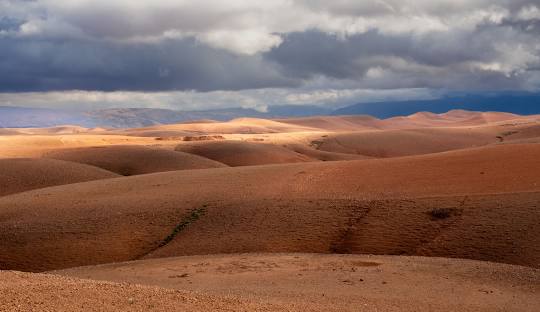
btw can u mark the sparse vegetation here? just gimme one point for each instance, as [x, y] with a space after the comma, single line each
[192, 217]
[505, 134]
[443, 213]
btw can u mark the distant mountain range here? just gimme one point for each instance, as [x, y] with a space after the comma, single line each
[141, 117]
[17, 117]
[20, 117]
[521, 104]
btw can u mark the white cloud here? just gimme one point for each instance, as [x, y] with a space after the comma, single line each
[189, 100]
[245, 41]
[529, 13]
[157, 45]
[250, 26]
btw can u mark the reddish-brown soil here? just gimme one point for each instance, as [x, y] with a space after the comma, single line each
[21, 292]
[132, 160]
[312, 152]
[236, 126]
[22, 174]
[67, 129]
[308, 207]
[9, 132]
[455, 118]
[241, 153]
[336, 123]
[394, 143]
[454, 185]
[292, 282]
[338, 282]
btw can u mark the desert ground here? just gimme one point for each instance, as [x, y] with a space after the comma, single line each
[427, 212]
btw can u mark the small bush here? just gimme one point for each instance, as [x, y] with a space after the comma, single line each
[192, 217]
[442, 213]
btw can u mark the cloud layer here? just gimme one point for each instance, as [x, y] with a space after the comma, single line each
[309, 45]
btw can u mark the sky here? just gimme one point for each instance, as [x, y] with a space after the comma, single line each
[207, 54]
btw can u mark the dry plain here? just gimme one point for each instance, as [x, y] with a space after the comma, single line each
[330, 213]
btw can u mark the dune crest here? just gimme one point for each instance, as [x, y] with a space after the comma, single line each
[242, 153]
[133, 160]
[20, 175]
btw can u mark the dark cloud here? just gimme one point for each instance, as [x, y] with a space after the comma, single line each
[44, 65]
[531, 27]
[435, 60]
[315, 53]
[165, 45]
[8, 24]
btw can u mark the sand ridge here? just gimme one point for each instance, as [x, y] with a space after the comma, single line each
[124, 219]
[240, 125]
[454, 118]
[242, 153]
[395, 143]
[22, 174]
[132, 160]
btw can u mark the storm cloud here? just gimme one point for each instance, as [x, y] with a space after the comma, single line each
[310, 46]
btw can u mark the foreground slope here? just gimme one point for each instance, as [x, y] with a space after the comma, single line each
[132, 160]
[22, 174]
[293, 282]
[353, 206]
[42, 292]
[338, 282]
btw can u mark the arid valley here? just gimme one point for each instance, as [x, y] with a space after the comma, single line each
[255, 155]
[426, 212]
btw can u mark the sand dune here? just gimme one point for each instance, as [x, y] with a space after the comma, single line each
[406, 142]
[336, 123]
[156, 133]
[67, 129]
[457, 227]
[34, 146]
[4, 131]
[19, 175]
[315, 282]
[308, 207]
[455, 185]
[132, 160]
[393, 143]
[239, 126]
[241, 153]
[201, 121]
[311, 152]
[455, 118]
[520, 132]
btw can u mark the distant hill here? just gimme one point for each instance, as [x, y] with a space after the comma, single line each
[20, 117]
[297, 111]
[522, 104]
[142, 117]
